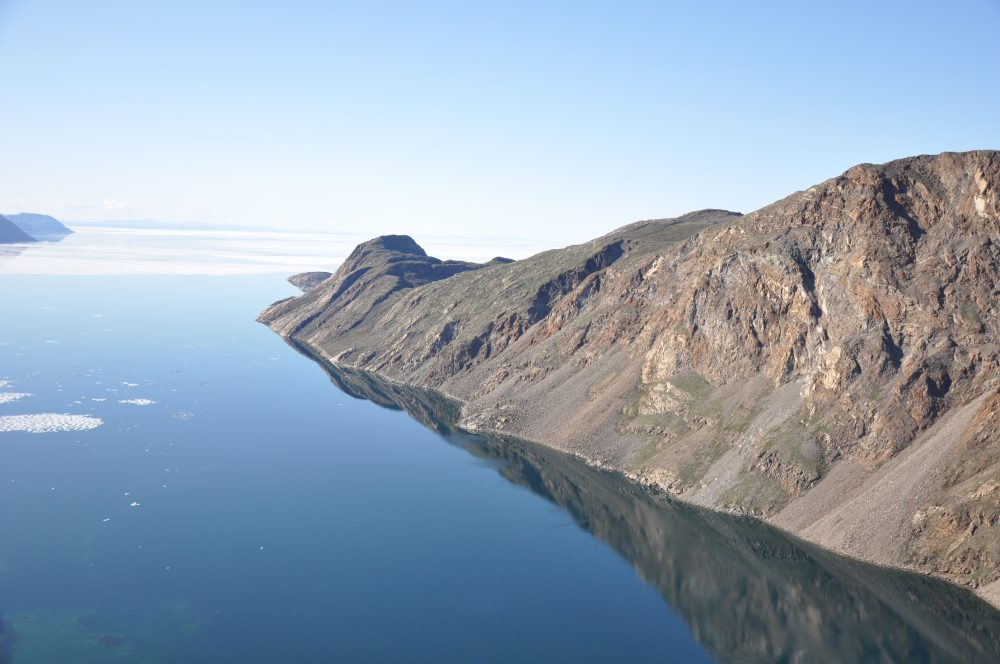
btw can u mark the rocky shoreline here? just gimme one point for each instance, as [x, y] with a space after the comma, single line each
[828, 364]
[763, 595]
[445, 417]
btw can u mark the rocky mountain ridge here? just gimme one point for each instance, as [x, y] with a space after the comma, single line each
[828, 363]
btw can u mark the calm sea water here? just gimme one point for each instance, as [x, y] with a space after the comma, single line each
[235, 505]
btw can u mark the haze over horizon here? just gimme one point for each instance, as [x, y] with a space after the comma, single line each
[557, 122]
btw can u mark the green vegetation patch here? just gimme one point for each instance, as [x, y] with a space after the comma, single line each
[692, 383]
[796, 445]
[757, 494]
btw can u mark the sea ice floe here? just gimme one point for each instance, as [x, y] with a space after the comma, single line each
[4, 383]
[98, 399]
[7, 397]
[137, 402]
[128, 384]
[48, 422]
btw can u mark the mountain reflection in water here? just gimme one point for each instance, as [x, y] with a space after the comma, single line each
[747, 592]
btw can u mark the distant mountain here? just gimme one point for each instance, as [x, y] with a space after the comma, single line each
[11, 234]
[39, 226]
[307, 281]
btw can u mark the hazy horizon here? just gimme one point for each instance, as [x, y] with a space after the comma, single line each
[557, 122]
[95, 251]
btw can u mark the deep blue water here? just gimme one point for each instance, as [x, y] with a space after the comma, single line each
[279, 519]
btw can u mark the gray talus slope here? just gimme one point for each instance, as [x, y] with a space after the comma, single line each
[828, 362]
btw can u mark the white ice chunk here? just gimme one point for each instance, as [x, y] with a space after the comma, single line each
[48, 422]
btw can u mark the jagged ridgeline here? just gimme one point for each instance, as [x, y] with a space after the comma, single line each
[828, 363]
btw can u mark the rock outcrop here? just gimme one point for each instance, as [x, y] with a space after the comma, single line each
[829, 363]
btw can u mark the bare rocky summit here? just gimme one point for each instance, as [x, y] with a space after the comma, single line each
[829, 363]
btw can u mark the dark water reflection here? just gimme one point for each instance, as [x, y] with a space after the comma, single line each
[747, 592]
[7, 638]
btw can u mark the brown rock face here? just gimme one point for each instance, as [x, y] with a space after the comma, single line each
[829, 363]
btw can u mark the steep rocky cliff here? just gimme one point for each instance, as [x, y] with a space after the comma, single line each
[828, 363]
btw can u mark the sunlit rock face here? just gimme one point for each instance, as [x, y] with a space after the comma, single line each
[829, 363]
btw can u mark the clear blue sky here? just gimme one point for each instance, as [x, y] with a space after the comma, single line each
[555, 120]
